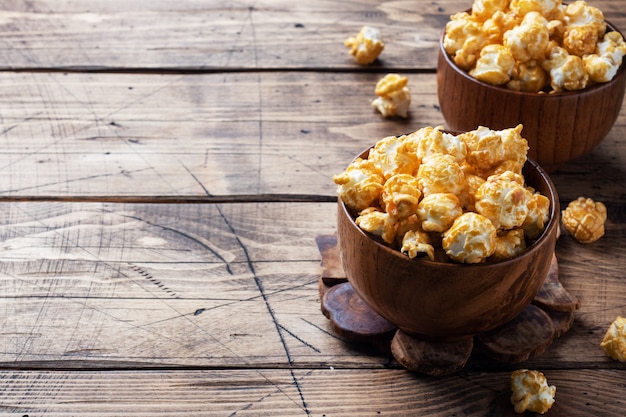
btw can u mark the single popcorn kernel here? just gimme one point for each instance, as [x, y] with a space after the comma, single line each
[614, 342]
[393, 156]
[377, 223]
[584, 219]
[360, 184]
[503, 199]
[438, 211]
[416, 242]
[440, 173]
[366, 45]
[471, 239]
[495, 65]
[400, 196]
[530, 392]
[394, 97]
[509, 244]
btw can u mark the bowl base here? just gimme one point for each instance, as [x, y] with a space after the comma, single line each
[525, 337]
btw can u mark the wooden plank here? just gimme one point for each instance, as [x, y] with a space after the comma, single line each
[317, 392]
[196, 135]
[197, 35]
[108, 285]
[120, 134]
[202, 36]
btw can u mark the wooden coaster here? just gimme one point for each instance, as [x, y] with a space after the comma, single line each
[552, 295]
[352, 317]
[527, 336]
[431, 358]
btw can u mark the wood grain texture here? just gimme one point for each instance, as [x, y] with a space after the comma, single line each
[318, 392]
[212, 35]
[215, 134]
[107, 285]
[197, 135]
[175, 160]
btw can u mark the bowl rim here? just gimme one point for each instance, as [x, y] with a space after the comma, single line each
[553, 222]
[546, 95]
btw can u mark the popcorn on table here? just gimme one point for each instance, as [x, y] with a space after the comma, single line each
[531, 392]
[394, 97]
[614, 342]
[366, 45]
[584, 219]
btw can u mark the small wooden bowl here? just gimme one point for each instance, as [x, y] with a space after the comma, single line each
[559, 127]
[447, 301]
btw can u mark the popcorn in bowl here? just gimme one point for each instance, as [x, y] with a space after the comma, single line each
[459, 198]
[534, 45]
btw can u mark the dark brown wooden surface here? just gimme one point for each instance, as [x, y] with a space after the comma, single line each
[166, 168]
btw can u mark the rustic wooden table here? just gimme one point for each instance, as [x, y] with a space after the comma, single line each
[166, 169]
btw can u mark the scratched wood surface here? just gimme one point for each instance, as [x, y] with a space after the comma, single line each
[166, 167]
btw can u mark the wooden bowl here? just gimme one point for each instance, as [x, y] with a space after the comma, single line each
[447, 301]
[559, 127]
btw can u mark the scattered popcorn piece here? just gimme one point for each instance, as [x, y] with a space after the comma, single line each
[614, 342]
[438, 211]
[377, 223]
[503, 199]
[509, 243]
[366, 45]
[392, 155]
[584, 219]
[415, 242]
[400, 196]
[394, 97]
[360, 184]
[440, 173]
[470, 239]
[530, 392]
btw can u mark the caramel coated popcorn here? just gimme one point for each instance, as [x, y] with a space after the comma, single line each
[457, 197]
[531, 392]
[584, 219]
[534, 45]
[366, 45]
[614, 342]
[394, 97]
